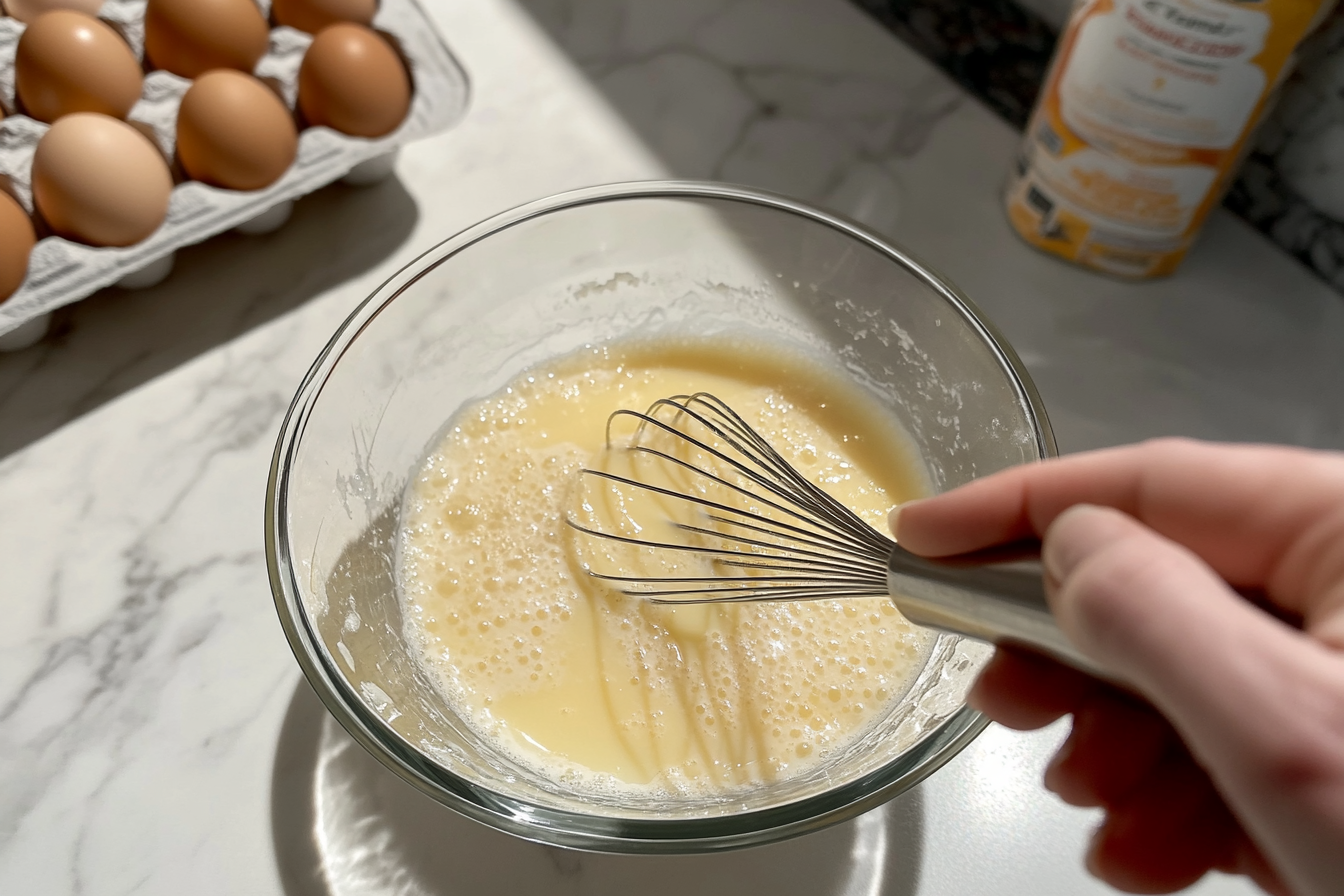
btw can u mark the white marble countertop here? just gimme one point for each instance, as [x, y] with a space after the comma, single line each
[155, 734]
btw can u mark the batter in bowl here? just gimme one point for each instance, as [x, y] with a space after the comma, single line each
[595, 689]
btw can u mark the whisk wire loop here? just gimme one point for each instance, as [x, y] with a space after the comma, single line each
[807, 502]
[818, 538]
[738, 433]
[818, 559]
[768, 458]
[792, 540]
[732, 557]
[647, 418]
[799, 535]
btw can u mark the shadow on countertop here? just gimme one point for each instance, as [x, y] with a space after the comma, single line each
[802, 97]
[813, 99]
[117, 339]
[342, 823]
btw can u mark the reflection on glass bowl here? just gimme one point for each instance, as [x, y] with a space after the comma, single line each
[344, 825]
[630, 261]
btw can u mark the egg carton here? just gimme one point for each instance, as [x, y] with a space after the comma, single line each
[61, 271]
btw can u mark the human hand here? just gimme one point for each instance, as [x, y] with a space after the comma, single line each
[1229, 754]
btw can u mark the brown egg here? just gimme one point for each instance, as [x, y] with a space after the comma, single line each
[189, 37]
[16, 244]
[68, 61]
[234, 132]
[99, 181]
[28, 10]
[314, 15]
[353, 81]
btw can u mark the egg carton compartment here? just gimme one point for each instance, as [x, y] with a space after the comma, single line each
[61, 271]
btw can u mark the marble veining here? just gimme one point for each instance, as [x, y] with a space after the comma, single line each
[742, 89]
[769, 94]
[998, 50]
[1291, 185]
[155, 735]
[143, 676]
[123, 650]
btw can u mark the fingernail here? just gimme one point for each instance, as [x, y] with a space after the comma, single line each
[1069, 540]
[894, 518]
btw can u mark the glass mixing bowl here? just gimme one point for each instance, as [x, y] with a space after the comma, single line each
[637, 261]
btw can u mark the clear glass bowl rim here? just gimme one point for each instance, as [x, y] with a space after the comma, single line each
[575, 829]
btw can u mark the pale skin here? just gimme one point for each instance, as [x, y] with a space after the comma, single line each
[1227, 751]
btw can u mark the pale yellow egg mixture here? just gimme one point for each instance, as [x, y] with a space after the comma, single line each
[589, 686]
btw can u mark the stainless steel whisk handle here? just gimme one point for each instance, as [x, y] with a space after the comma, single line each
[1001, 601]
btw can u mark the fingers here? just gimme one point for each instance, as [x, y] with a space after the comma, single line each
[1165, 826]
[1144, 592]
[1247, 859]
[1115, 745]
[1241, 508]
[1153, 612]
[1024, 690]
[1166, 833]
[1116, 739]
[1261, 706]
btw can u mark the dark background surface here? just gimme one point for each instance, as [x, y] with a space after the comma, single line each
[1000, 53]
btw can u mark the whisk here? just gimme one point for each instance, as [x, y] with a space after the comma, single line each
[742, 524]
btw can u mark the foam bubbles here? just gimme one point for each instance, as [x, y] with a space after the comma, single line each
[605, 691]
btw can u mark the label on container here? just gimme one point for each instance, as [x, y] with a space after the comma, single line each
[1143, 119]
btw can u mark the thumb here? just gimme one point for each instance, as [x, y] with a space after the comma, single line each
[1258, 703]
[1156, 614]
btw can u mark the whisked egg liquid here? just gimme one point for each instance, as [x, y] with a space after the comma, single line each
[596, 689]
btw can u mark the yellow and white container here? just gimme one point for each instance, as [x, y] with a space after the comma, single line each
[1142, 121]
